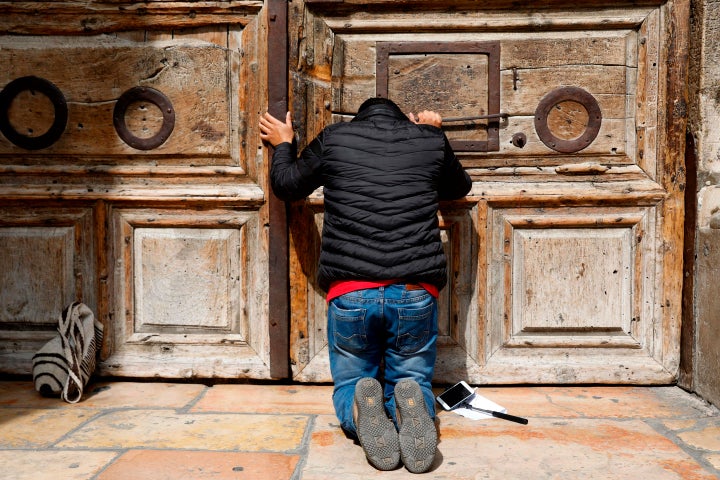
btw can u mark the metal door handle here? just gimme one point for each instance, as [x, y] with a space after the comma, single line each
[476, 117]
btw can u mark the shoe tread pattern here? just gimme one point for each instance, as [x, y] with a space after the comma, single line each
[376, 432]
[418, 435]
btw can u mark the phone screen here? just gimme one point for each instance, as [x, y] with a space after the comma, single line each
[454, 395]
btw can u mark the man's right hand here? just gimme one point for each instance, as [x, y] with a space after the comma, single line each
[274, 131]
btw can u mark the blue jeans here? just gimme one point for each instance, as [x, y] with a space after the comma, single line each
[388, 325]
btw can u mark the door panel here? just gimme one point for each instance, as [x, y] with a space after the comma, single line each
[97, 72]
[559, 263]
[151, 201]
[41, 250]
[188, 285]
[132, 179]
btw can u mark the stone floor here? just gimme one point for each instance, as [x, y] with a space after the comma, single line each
[137, 431]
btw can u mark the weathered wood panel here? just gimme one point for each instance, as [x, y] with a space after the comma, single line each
[47, 260]
[529, 70]
[177, 234]
[96, 72]
[189, 281]
[567, 247]
[570, 277]
[83, 18]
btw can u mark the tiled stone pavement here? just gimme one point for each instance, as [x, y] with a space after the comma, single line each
[169, 431]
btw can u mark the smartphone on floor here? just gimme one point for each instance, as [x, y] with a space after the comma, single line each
[455, 396]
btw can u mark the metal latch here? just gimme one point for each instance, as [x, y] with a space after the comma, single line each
[476, 117]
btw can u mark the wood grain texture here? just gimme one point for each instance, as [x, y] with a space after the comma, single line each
[568, 251]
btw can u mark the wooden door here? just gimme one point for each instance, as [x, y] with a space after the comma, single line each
[132, 179]
[565, 258]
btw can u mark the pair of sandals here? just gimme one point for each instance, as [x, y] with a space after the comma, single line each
[385, 447]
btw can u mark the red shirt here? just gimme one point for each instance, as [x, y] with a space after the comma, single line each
[346, 286]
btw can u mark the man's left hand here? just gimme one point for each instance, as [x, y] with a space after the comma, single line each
[275, 131]
[428, 118]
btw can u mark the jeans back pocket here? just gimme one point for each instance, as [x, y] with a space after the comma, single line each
[414, 325]
[348, 327]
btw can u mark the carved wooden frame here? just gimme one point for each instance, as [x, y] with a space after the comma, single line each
[491, 49]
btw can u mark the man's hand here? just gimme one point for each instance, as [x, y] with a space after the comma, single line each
[274, 131]
[427, 117]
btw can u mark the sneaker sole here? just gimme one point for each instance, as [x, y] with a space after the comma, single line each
[376, 431]
[418, 435]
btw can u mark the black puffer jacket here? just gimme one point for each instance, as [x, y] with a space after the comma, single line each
[382, 176]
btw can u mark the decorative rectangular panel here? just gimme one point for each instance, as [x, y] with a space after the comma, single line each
[190, 287]
[119, 98]
[495, 62]
[187, 280]
[455, 79]
[35, 261]
[46, 262]
[573, 284]
[571, 278]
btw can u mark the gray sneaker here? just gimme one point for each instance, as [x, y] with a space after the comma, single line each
[418, 435]
[377, 433]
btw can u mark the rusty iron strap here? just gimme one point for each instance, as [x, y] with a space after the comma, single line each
[278, 249]
[475, 117]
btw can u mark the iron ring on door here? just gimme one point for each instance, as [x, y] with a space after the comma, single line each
[35, 84]
[553, 100]
[139, 94]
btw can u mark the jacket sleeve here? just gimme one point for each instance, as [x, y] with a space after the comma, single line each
[455, 182]
[294, 178]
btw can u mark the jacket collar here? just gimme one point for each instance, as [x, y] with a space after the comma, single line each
[377, 111]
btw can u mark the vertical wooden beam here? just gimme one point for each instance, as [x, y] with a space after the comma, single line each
[687, 332]
[672, 166]
[104, 309]
[279, 321]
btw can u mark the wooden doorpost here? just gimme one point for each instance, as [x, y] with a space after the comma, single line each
[279, 315]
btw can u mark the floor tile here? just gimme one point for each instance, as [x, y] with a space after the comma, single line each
[332, 455]
[703, 438]
[35, 428]
[561, 449]
[682, 424]
[192, 465]
[714, 460]
[618, 402]
[23, 394]
[141, 395]
[106, 395]
[167, 429]
[526, 401]
[596, 401]
[308, 399]
[52, 465]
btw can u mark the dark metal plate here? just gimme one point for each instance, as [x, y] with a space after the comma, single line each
[55, 96]
[147, 94]
[554, 98]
